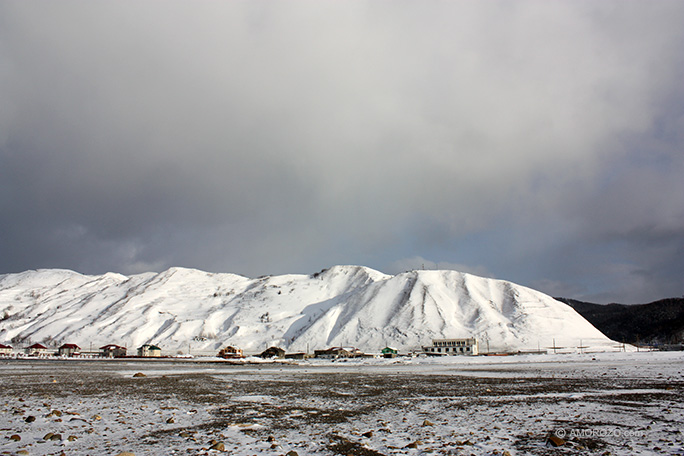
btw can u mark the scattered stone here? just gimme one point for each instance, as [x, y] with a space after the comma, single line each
[219, 446]
[30, 419]
[556, 441]
[15, 437]
[139, 374]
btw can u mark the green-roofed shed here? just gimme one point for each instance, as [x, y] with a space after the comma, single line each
[149, 351]
[389, 352]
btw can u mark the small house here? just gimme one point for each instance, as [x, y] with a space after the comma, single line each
[149, 351]
[297, 355]
[389, 352]
[452, 347]
[113, 351]
[231, 353]
[5, 349]
[273, 352]
[36, 350]
[68, 350]
[333, 353]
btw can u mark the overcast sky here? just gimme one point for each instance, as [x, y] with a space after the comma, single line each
[538, 142]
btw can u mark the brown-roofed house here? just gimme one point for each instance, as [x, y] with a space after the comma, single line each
[334, 353]
[273, 352]
[231, 353]
[68, 350]
[113, 351]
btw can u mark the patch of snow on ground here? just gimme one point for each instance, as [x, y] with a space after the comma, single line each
[621, 403]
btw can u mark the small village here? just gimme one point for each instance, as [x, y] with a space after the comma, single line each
[439, 347]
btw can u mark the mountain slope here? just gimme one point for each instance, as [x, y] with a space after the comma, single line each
[656, 322]
[185, 309]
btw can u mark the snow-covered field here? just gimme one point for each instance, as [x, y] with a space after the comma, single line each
[607, 403]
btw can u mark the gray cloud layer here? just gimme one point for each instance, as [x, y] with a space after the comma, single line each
[539, 142]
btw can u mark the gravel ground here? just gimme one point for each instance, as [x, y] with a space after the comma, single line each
[525, 406]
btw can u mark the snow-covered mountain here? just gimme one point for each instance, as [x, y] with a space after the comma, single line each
[189, 310]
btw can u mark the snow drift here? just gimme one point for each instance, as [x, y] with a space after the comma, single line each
[186, 310]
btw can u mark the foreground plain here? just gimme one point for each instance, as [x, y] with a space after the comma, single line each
[610, 403]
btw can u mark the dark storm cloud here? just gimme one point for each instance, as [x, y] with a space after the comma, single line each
[262, 138]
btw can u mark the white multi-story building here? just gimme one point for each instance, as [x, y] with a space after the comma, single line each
[452, 347]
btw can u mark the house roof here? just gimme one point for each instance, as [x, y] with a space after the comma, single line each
[70, 346]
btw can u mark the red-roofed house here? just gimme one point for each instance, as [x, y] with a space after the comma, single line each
[68, 350]
[36, 350]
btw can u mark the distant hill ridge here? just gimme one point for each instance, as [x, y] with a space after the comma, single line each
[659, 322]
[187, 310]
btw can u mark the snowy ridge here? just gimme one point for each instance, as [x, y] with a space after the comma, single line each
[190, 310]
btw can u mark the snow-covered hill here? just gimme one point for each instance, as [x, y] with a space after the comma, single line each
[189, 310]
